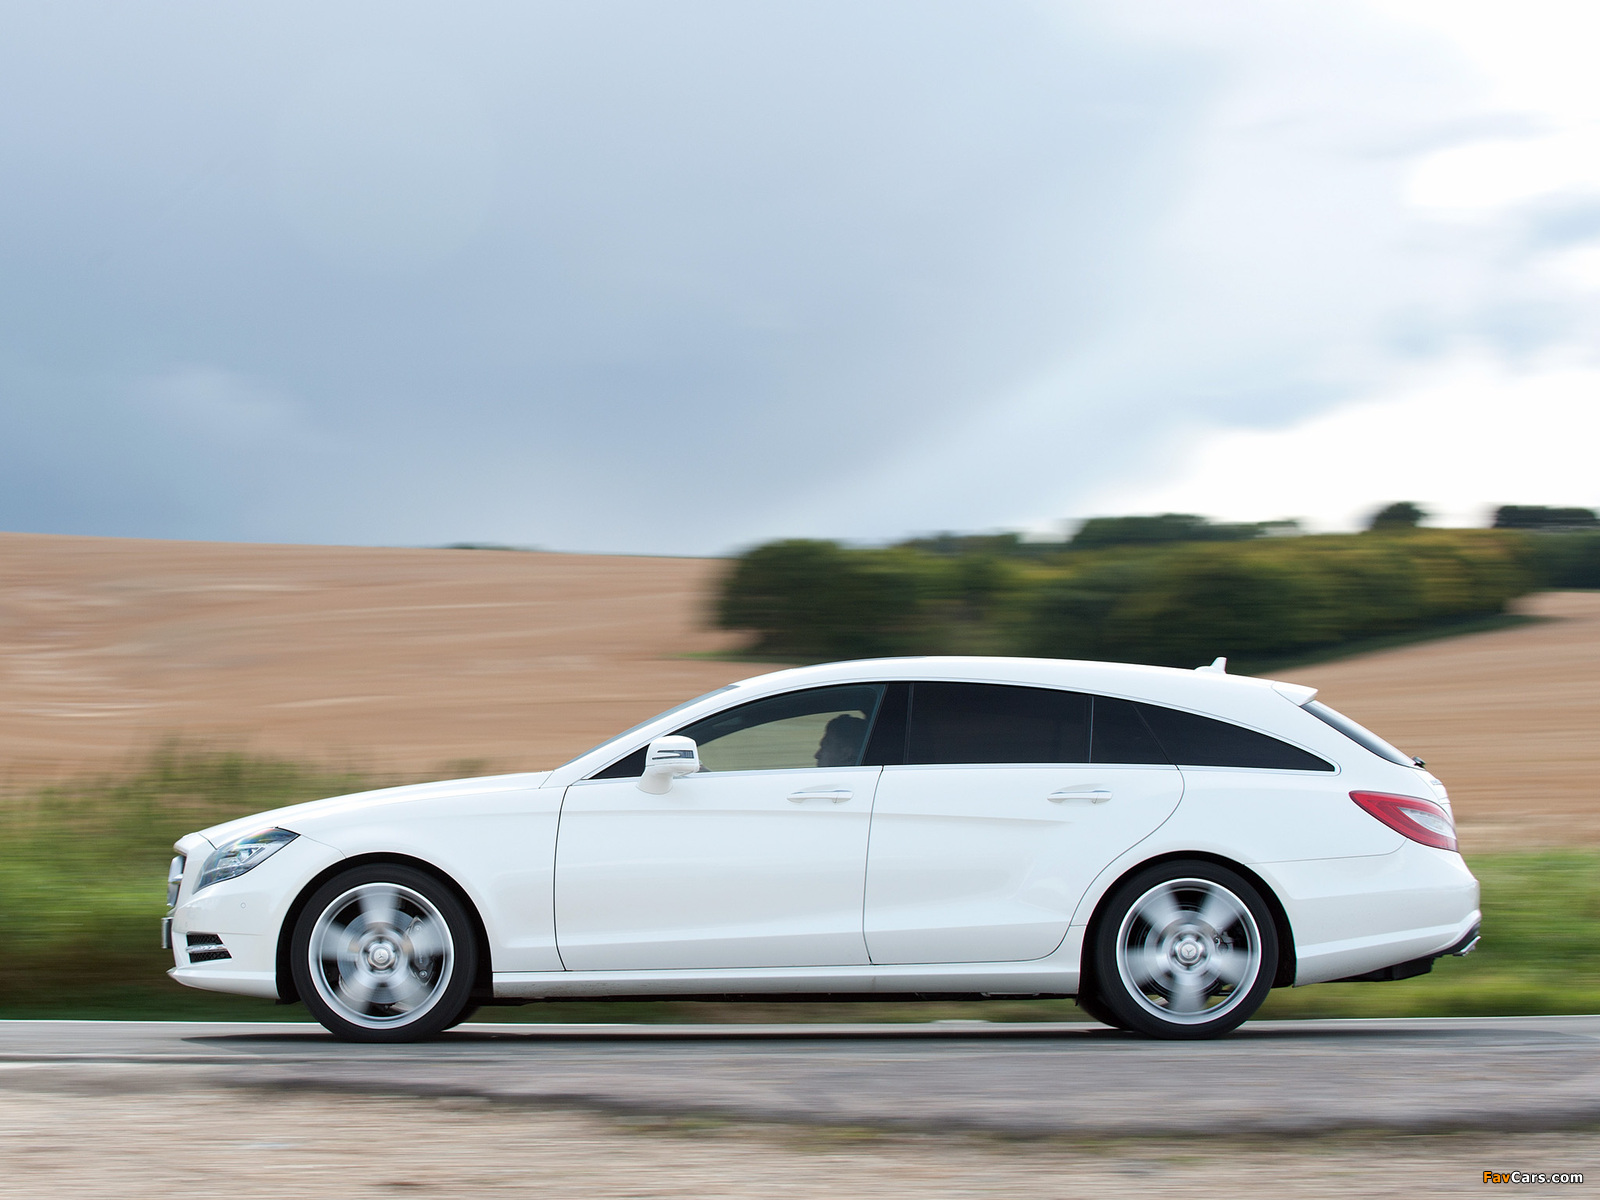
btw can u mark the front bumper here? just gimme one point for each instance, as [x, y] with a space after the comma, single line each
[225, 938]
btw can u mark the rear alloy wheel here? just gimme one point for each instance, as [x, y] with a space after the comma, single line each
[1185, 950]
[384, 953]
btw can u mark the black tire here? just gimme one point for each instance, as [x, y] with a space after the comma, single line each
[1185, 949]
[384, 953]
[466, 1014]
[1088, 999]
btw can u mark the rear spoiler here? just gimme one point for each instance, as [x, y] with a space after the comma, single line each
[1295, 693]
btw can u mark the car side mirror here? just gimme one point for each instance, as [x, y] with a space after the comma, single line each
[665, 760]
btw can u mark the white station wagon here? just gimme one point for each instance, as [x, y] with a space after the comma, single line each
[1165, 846]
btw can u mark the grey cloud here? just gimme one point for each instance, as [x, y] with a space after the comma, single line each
[1571, 220]
[383, 160]
[629, 276]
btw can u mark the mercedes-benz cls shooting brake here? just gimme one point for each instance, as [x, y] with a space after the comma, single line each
[1165, 846]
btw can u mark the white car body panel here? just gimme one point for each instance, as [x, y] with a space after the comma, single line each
[1055, 975]
[977, 863]
[1354, 915]
[723, 885]
[725, 870]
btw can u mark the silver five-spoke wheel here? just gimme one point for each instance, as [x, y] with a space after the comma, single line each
[1188, 950]
[1184, 949]
[384, 953]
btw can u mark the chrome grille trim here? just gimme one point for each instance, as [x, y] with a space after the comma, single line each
[206, 947]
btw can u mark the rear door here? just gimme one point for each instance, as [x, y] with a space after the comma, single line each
[1008, 802]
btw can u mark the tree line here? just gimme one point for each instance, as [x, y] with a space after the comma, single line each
[1174, 602]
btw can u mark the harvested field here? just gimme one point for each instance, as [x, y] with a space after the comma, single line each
[385, 660]
[443, 661]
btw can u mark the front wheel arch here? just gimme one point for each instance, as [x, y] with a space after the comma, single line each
[482, 986]
[1280, 918]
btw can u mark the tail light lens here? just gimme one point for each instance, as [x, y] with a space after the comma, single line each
[1420, 820]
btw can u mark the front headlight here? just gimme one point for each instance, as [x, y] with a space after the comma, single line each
[232, 859]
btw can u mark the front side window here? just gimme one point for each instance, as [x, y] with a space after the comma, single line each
[996, 723]
[821, 727]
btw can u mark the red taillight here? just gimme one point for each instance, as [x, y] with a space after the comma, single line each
[1420, 820]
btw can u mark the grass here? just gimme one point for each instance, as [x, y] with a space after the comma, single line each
[83, 865]
[83, 871]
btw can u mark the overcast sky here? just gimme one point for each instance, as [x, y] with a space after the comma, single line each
[677, 278]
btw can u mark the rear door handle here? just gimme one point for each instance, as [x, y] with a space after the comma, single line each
[1092, 795]
[837, 795]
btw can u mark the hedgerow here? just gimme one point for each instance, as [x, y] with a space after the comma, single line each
[1175, 604]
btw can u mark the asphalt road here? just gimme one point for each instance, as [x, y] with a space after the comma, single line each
[1503, 1074]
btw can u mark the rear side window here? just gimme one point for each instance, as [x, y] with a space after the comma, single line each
[1121, 735]
[1359, 734]
[1191, 740]
[994, 723]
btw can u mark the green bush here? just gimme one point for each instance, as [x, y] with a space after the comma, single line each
[1544, 518]
[817, 600]
[1173, 604]
[1565, 560]
[1099, 532]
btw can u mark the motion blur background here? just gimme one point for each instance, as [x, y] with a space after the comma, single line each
[290, 294]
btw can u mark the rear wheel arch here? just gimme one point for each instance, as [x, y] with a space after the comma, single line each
[1280, 918]
[482, 986]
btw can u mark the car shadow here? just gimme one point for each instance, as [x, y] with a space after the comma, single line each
[1257, 1032]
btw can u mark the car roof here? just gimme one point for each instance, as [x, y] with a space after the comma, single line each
[1133, 681]
[1262, 704]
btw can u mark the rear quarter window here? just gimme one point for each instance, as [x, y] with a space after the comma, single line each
[1191, 740]
[1359, 734]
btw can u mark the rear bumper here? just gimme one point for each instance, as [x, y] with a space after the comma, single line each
[1417, 966]
[1354, 916]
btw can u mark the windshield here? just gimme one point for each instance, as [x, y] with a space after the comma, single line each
[633, 729]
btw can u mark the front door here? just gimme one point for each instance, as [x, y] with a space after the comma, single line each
[984, 842]
[757, 861]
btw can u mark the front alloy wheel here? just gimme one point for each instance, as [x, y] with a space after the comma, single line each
[384, 953]
[1185, 950]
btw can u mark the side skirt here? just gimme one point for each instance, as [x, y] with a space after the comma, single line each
[1038, 979]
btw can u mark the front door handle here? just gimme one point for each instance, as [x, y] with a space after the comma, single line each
[1092, 795]
[837, 795]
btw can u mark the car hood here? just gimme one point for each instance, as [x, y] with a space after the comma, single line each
[305, 818]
